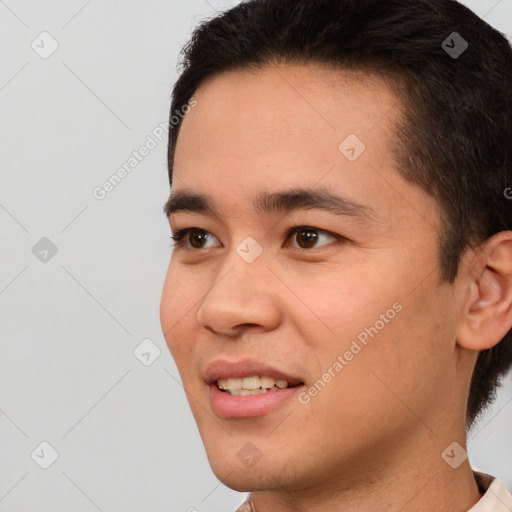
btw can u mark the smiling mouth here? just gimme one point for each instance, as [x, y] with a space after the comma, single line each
[253, 385]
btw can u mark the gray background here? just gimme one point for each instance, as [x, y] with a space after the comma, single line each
[70, 321]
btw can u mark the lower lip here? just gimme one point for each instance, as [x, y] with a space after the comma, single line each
[248, 406]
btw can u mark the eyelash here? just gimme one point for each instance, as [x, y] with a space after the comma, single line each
[178, 238]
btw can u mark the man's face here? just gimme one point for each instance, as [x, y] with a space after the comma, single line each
[350, 308]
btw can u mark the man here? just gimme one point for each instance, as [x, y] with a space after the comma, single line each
[339, 298]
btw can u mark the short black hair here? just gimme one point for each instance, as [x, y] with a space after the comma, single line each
[453, 74]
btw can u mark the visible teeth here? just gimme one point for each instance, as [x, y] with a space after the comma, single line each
[222, 383]
[251, 382]
[258, 391]
[250, 385]
[267, 382]
[234, 383]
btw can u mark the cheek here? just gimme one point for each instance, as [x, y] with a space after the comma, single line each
[402, 365]
[340, 308]
[390, 338]
[176, 312]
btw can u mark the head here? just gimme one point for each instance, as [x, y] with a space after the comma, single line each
[409, 280]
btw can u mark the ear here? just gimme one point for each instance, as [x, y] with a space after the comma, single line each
[487, 314]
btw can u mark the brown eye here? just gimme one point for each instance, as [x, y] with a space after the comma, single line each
[197, 239]
[308, 237]
[191, 238]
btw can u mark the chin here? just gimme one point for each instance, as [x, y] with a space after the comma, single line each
[246, 470]
[246, 479]
[237, 463]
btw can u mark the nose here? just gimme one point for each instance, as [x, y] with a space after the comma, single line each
[243, 296]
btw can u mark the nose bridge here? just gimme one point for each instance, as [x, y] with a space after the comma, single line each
[243, 272]
[241, 292]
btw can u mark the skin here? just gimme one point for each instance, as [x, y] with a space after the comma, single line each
[372, 439]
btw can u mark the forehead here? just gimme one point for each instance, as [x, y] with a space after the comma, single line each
[296, 98]
[289, 125]
[284, 113]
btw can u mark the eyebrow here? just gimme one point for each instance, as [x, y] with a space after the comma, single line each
[279, 202]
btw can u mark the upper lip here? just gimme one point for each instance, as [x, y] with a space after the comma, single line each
[223, 369]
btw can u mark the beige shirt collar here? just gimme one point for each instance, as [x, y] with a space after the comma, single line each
[497, 498]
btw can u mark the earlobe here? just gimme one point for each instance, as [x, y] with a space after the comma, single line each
[487, 317]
